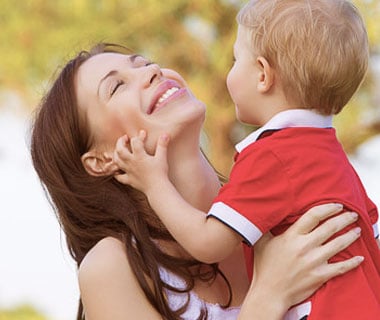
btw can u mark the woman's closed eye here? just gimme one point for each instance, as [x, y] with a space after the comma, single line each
[116, 86]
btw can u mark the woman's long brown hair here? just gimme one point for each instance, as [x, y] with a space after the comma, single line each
[91, 208]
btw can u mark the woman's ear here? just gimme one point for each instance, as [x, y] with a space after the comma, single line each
[266, 75]
[98, 164]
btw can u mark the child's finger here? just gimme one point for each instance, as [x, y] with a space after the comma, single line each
[121, 148]
[142, 135]
[162, 145]
[122, 178]
[137, 145]
[123, 140]
[119, 159]
[137, 142]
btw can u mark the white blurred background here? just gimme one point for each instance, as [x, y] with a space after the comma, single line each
[35, 268]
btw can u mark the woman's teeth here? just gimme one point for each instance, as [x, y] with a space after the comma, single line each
[166, 95]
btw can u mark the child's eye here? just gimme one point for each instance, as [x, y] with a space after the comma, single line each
[116, 86]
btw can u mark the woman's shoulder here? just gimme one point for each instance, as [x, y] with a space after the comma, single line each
[108, 286]
[105, 260]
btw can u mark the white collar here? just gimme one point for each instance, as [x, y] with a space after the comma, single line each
[286, 119]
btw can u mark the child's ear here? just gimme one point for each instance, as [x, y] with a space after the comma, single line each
[266, 75]
[98, 164]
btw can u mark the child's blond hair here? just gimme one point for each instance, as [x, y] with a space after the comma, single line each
[319, 48]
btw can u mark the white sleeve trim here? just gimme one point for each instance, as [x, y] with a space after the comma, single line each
[375, 230]
[298, 312]
[236, 221]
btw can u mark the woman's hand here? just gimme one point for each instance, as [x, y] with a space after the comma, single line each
[290, 267]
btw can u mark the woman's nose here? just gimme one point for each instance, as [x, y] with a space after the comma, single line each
[154, 74]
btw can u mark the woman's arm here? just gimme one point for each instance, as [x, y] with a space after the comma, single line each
[290, 267]
[109, 289]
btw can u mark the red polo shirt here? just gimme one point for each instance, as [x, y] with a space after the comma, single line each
[275, 180]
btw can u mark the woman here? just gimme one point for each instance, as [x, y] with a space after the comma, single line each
[129, 266]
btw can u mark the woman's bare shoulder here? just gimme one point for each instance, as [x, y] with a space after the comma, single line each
[108, 287]
[105, 258]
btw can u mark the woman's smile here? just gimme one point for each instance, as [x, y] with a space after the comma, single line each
[167, 91]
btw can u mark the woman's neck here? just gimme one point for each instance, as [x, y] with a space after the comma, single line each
[191, 173]
[198, 183]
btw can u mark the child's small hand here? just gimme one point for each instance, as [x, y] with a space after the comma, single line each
[141, 170]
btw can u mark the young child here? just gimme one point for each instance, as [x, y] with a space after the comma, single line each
[298, 62]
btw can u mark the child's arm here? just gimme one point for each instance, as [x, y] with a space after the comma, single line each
[206, 239]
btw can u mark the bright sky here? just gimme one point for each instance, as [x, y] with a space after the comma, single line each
[35, 267]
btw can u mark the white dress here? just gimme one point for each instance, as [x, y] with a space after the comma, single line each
[177, 300]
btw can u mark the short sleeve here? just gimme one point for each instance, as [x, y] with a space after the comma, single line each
[258, 196]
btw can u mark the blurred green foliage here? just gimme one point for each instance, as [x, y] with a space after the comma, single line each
[193, 37]
[21, 313]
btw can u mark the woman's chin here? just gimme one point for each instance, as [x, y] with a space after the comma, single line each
[195, 110]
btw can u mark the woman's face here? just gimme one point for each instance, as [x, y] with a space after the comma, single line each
[122, 94]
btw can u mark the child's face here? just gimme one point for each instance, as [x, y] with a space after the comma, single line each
[242, 80]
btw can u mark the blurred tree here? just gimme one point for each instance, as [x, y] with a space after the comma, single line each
[361, 118]
[21, 313]
[193, 37]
